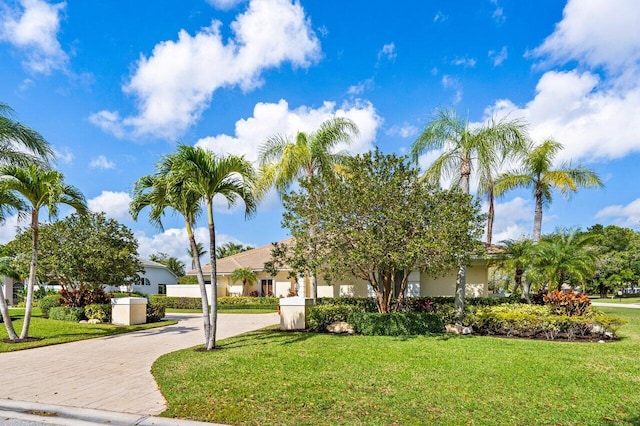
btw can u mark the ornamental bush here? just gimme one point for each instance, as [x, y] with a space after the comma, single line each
[66, 313]
[569, 303]
[234, 302]
[99, 311]
[48, 302]
[396, 324]
[322, 316]
[155, 312]
[83, 297]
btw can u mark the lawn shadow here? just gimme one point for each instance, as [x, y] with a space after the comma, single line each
[268, 335]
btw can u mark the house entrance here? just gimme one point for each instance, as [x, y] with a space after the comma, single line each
[266, 287]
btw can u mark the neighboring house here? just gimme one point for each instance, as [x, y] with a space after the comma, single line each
[419, 283]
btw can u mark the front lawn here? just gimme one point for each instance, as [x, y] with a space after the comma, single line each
[272, 377]
[53, 332]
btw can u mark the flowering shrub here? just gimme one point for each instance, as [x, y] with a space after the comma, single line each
[570, 303]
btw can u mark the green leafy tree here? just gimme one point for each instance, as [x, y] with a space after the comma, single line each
[20, 145]
[538, 174]
[80, 252]
[207, 175]
[245, 276]
[174, 264]
[378, 221]
[230, 248]
[483, 148]
[284, 161]
[39, 188]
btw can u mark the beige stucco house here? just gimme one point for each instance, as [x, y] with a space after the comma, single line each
[420, 284]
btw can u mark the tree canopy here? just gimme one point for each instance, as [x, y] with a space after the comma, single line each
[378, 221]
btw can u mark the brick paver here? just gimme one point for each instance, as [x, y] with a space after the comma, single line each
[110, 373]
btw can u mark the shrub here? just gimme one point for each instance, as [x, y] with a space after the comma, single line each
[368, 304]
[83, 297]
[48, 302]
[155, 312]
[66, 313]
[322, 315]
[176, 302]
[100, 311]
[396, 324]
[234, 302]
[569, 303]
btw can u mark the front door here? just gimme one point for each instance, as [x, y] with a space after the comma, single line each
[266, 287]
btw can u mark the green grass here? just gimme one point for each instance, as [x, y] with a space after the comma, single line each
[221, 311]
[283, 378]
[54, 332]
[617, 300]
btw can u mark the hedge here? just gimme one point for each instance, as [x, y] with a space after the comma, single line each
[155, 312]
[48, 302]
[66, 313]
[323, 315]
[173, 302]
[396, 324]
[99, 311]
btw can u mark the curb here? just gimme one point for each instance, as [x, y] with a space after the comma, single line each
[74, 416]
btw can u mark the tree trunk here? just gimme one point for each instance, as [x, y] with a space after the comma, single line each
[518, 279]
[211, 343]
[32, 274]
[4, 310]
[201, 283]
[537, 218]
[526, 289]
[461, 283]
[490, 216]
[465, 173]
[603, 291]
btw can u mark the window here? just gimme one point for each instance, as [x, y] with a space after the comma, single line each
[162, 289]
[143, 281]
[266, 287]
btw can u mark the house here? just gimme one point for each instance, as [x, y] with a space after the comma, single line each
[420, 284]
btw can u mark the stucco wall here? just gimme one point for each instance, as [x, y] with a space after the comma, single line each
[476, 285]
[155, 276]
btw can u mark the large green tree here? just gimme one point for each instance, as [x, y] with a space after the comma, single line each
[86, 251]
[467, 149]
[284, 161]
[379, 221]
[20, 145]
[207, 175]
[174, 264]
[40, 188]
[230, 248]
[538, 174]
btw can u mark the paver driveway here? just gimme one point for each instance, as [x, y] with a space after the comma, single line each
[110, 373]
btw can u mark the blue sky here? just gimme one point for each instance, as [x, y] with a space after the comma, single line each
[114, 85]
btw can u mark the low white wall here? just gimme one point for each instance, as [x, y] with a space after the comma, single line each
[191, 290]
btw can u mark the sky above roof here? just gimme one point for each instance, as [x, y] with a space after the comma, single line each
[115, 85]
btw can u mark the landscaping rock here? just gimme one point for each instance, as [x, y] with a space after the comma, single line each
[94, 321]
[457, 329]
[340, 327]
[83, 322]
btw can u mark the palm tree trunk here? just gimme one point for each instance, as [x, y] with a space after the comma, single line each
[4, 309]
[201, 283]
[461, 283]
[526, 289]
[32, 275]
[490, 216]
[211, 343]
[537, 218]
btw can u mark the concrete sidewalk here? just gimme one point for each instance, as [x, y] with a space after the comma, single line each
[110, 373]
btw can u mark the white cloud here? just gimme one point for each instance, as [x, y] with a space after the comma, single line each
[64, 154]
[361, 87]
[8, 229]
[388, 51]
[404, 131]
[33, 28]
[270, 119]
[596, 33]
[513, 219]
[465, 62]
[627, 216]
[101, 162]
[175, 84]
[114, 204]
[450, 82]
[498, 13]
[497, 58]
[109, 121]
[224, 4]
[440, 17]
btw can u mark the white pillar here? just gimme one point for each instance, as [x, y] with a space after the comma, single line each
[301, 286]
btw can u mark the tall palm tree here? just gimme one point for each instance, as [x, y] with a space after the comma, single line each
[198, 252]
[517, 258]
[245, 276]
[283, 161]
[208, 175]
[483, 148]
[20, 145]
[159, 193]
[230, 248]
[39, 188]
[537, 173]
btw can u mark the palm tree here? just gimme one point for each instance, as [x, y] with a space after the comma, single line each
[158, 193]
[517, 258]
[245, 276]
[230, 248]
[19, 145]
[208, 175]
[40, 188]
[564, 257]
[199, 252]
[483, 148]
[283, 161]
[537, 174]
